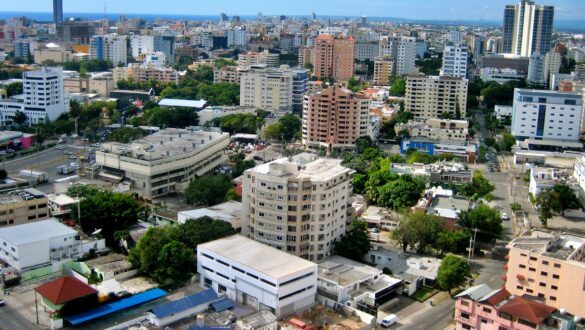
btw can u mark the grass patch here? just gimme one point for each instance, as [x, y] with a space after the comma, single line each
[422, 294]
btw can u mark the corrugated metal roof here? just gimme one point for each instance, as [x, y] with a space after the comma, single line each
[222, 305]
[35, 231]
[173, 307]
[199, 104]
[116, 306]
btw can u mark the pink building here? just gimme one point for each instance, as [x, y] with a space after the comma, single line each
[480, 307]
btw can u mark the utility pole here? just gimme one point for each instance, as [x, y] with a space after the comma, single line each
[474, 238]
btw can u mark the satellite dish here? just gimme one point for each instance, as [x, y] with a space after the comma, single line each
[97, 231]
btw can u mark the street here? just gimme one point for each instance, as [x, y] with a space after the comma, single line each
[10, 319]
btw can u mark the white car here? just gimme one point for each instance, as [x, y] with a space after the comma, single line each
[505, 216]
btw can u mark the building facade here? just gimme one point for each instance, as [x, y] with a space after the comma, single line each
[334, 57]
[335, 118]
[23, 206]
[300, 206]
[164, 162]
[550, 266]
[432, 96]
[547, 115]
[257, 275]
[383, 70]
[527, 28]
[109, 47]
[402, 50]
[267, 88]
[455, 61]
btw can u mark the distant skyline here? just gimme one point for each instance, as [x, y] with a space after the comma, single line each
[410, 9]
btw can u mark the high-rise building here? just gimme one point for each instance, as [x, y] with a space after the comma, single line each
[550, 266]
[335, 118]
[456, 37]
[552, 64]
[44, 97]
[300, 80]
[433, 96]
[536, 70]
[546, 115]
[141, 45]
[383, 70]
[455, 61]
[57, 11]
[477, 48]
[527, 28]
[298, 205]
[237, 37]
[22, 50]
[254, 58]
[75, 32]
[109, 47]
[267, 88]
[334, 57]
[402, 50]
[306, 56]
[364, 21]
[165, 44]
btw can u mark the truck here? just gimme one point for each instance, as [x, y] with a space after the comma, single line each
[389, 320]
[32, 175]
[67, 168]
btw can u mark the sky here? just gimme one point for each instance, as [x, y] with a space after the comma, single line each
[411, 9]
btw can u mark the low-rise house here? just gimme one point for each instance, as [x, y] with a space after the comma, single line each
[257, 275]
[380, 217]
[543, 178]
[480, 307]
[23, 206]
[60, 205]
[229, 212]
[342, 281]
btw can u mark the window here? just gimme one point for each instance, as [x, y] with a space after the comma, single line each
[519, 287]
[557, 266]
[555, 276]
[533, 258]
[522, 266]
[554, 287]
[464, 303]
[553, 298]
[543, 273]
[532, 269]
[465, 316]
[544, 262]
[542, 284]
[487, 310]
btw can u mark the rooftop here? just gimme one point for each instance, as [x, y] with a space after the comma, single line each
[64, 289]
[20, 195]
[260, 257]
[448, 207]
[198, 104]
[554, 245]
[304, 165]
[177, 306]
[35, 231]
[346, 272]
[228, 211]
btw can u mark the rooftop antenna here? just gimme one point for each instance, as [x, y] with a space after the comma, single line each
[106, 25]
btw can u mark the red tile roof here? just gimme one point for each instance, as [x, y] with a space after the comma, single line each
[498, 297]
[64, 289]
[527, 309]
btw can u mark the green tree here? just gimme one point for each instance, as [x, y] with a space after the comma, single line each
[19, 117]
[274, 132]
[400, 193]
[291, 125]
[109, 212]
[484, 218]
[546, 202]
[356, 243]
[204, 229]
[453, 272]
[241, 166]
[125, 134]
[175, 262]
[516, 207]
[421, 232]
[478, 187]
[567, 200]
[207, 190]
[398, 87]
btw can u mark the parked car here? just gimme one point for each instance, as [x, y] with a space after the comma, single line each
[2, 303]
[505, 216]
[72, 157]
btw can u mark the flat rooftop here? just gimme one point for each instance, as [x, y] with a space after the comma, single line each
[34, 232]
[170, 142]
[17, 196]
[558, 246]
[304, 165]
[255, 255]
[344, 271]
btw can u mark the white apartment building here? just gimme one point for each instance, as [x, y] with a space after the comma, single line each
[237, 37]
[41, 244]
[297, 205]
[455, 61]
[44, 97]
[257, 275]
[267, 88]
[366, 50]
[552, 65]
[402, 50]
[501, 76]
[110, 47]
[431, 96]
[253, 58]
[527, 28]
[164, 162]
[141, 45]
[546, 115]
[436, 129]
[536, 68]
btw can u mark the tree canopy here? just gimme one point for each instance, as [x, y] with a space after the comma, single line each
[478, 187]
[356, 243]
[453, 272]
[208, 190]
[484, 218]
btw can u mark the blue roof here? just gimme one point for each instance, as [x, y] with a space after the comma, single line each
[176, 306]
[116, 306]
[222, 305]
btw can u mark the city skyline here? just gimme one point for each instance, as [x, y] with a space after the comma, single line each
[414, 9]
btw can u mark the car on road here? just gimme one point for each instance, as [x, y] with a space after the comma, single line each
[389, 321]
[505, 216]
[72, 157]
[2, 303]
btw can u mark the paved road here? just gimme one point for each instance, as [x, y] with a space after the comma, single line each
[437, 318]
[11, 320]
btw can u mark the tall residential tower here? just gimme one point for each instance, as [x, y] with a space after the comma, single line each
[528, 28]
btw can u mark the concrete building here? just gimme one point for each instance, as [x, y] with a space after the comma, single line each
[110, 47]
[481, 307]
[536, 69]
[300, 87]
[334, 57]
[227, 74]
[455, 61]
[432, 96]
[164, 162]
[166, 45]
[466, 151]
[23, 206]
[267, 88]
[140, 45]
[546, 115]
[550, 266]
[527, 28]
[552, 65]
[22, 49]
[383, 71]
[44, 97]
[501, 76]
[101, 84]
[228, 212]
[57, 11]
[257, 275]
[335, 118]
[312, 195]
[51, 52]
[367, 50]
[436, 129]
[253, 58]
[41, 244]
[144, 73]
[402, 50]
[75, 32]
[306, 56]
[237, 37]
[341, 281]
[545, 178]
[505, 61]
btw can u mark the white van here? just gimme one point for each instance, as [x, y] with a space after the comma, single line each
[389, 320]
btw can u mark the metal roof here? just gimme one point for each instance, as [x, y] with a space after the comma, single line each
[35, 231]
[199, 104]
[222, 305]
[116, 306]
[176, 306]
